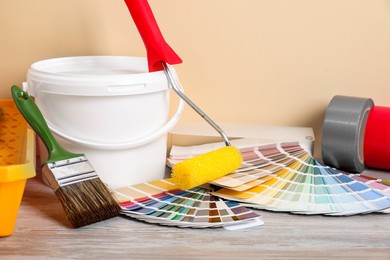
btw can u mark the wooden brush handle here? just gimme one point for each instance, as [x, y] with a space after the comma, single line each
[157, 49]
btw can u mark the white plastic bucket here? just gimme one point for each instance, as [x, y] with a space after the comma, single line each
[110, 108]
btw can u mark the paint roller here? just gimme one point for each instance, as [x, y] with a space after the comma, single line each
[203, 168]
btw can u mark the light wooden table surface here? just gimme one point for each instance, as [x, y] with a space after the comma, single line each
[42, 232]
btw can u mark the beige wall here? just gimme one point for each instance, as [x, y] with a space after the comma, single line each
[273, 62]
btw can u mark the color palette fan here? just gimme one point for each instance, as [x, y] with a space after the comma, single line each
[285, 177]
[160, 202]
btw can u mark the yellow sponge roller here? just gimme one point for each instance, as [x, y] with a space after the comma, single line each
[206, 167]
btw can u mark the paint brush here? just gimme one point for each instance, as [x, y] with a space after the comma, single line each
[84, 197]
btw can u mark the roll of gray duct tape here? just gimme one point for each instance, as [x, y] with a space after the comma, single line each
[343, 132]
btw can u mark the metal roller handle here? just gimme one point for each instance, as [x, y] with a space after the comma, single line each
[177, 88]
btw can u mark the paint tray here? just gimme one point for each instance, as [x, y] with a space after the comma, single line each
[17, 163]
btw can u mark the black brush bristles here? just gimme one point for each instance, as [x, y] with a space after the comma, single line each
[87, 202]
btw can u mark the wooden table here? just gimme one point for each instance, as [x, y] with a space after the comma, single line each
[42, 232]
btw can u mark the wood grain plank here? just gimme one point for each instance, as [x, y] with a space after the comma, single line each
[42, 231]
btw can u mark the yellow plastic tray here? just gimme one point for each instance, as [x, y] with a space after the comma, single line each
[17, 163]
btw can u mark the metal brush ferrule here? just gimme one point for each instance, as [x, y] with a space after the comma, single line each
[66, 172]
[178, 89]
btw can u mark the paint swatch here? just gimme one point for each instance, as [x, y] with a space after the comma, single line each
[382, 185]
[160, 202]
[284, 177]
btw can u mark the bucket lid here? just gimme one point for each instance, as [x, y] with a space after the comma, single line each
[95, 76]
